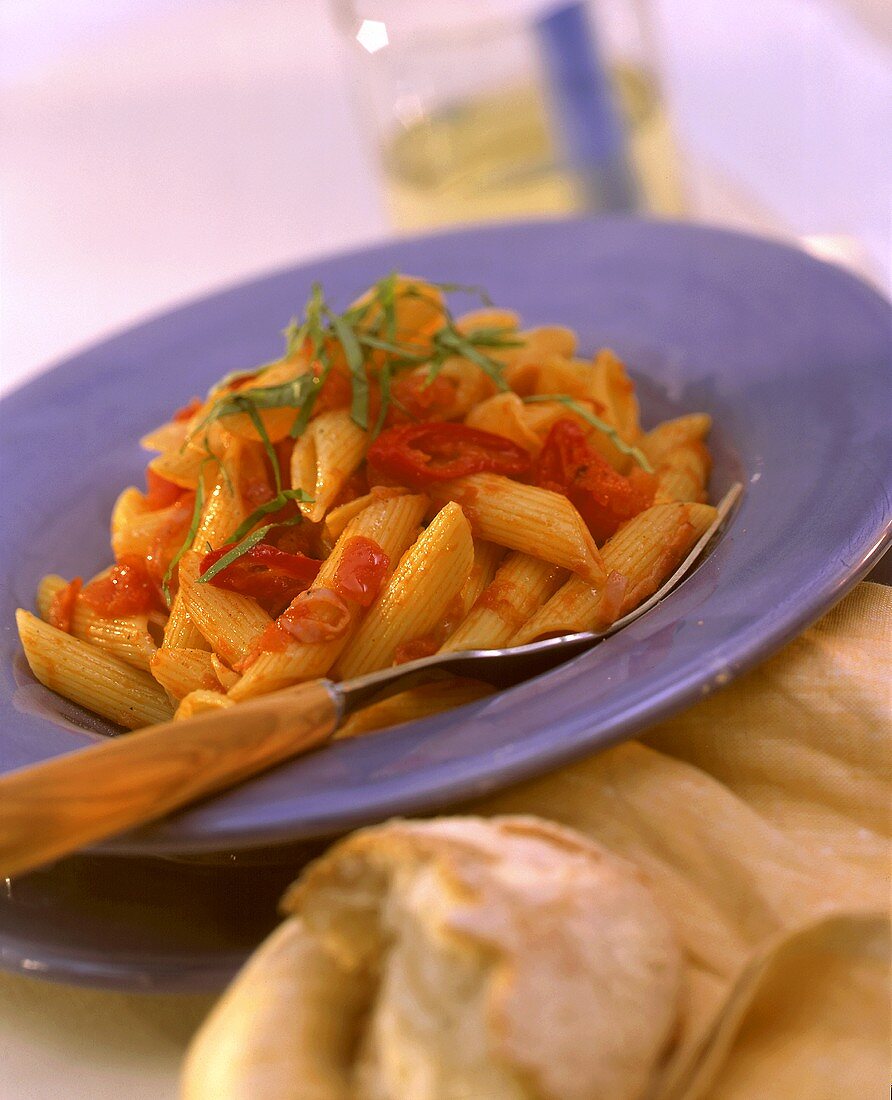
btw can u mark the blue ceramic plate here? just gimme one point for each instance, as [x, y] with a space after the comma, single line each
[789, 355]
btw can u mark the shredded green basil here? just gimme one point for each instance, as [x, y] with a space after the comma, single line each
[596, 422]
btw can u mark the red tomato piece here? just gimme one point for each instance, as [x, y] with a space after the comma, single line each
[272, 576]
[570, 465]
[61, 609]
[127, 589]
[361, 571]
[419, 454]
[318, 615]
[336, 392]
[415, 397]
[160, 493]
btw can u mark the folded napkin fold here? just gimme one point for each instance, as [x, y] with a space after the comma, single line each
[760, 821]
[761, 817]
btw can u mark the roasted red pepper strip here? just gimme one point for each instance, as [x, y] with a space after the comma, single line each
[272, 576]
[416, 455]
[127, 589]
[570, 465]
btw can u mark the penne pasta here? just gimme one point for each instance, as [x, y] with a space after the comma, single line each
[90, 677]
[520, 587]
[683, 473]
[642, 553]
[180, 632]
[526, 518]
[128, 638]
[417, 702]
[180, 671]
[200, 702]
[399, 482]
[391, 524]
[323, 459]
[487, 557]
[416, 597]
[338, 518]
[665, 437]
[230, 622]
[505, 414]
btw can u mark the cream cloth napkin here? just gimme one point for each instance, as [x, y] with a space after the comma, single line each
[762, 817]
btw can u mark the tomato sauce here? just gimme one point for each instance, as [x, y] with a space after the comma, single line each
[61, 609]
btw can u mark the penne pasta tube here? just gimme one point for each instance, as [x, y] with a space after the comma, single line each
[126, 638]
[505, 414]
[199, 702]
[276, 421]
[181, 632]
[418, 310]
[323, 459]
[643, 553]
[416, 597]
[181, 466]
[487, 558]
[488, 317]
[392, 524]
[538, 344]
[683, 473]
[167, 437]
[525, 518]
[223, 508]
[226, 678]
[417, 702]
[180, 671]
[665, 437]
[521, 586]
[90, 677]
[230, 622]
[615, 391]
[338, 518]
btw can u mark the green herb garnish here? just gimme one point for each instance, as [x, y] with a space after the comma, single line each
[190, 534]
[242, 547]
[283, 497]
[596, 422]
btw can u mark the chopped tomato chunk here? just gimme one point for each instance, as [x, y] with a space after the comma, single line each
[127, 589]
[336, 391]
[361, 571]
[570, 465]
[419, 454]
[61, 610]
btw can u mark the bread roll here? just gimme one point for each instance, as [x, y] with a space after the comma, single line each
[454, 959]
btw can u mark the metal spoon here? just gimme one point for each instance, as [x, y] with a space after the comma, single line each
[62, 804]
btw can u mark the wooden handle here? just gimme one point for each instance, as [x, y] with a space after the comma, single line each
[62, 804]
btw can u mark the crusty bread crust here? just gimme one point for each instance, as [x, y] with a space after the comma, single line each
[503, 958]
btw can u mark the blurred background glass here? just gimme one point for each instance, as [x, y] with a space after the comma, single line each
[151, 150]
[493, 109]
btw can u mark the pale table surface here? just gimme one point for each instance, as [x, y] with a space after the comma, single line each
[122, 196]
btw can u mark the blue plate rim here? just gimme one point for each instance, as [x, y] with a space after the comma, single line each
[165, 838]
